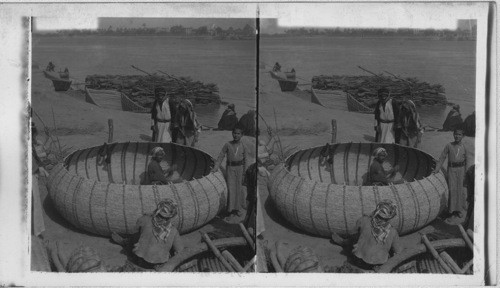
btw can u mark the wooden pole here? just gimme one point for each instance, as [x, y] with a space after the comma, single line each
[466, 237]
[467, 266]
[230, 258]
[247, 236]
[110, 131]
[453, 265]
[274, 260]
[436, 255]
[334, 131]
[250, 264]
[217, 252]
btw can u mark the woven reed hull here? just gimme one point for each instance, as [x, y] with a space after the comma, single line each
[103, 200]
[287, 85]
[356, 106]
[61, 84]
[129, 105]
[320, 202]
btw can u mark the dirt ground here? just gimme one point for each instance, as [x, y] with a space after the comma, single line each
[300, 124]
[80, 125]
[303, 125]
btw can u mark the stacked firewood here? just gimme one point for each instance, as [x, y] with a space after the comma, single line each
[141, 88]
[364, 88]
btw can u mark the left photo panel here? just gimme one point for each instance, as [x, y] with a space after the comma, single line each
[143, 142]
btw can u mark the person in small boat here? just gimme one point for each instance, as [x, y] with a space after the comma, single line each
[456, 154]
[411, 128]
[229, 119]
[161, 117]
[235, 153]
[187, 124]
[247, 123]
[50, 67]
[470, 125]
[381, 172]
[375, 237]
[277, 67]
[156, 238]
[386, 114]
[453, 120]
[156, 175]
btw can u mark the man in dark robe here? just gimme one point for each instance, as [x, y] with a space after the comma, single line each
[247, 123]
[453, 120]
[470, 125]
[228, 120]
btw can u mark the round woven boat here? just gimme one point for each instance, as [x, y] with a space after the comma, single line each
[321, 198]
[99, 189]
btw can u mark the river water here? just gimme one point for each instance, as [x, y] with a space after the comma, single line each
[231, 64]
[449, 63]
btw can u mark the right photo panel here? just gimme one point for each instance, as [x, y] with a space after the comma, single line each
[368, 143]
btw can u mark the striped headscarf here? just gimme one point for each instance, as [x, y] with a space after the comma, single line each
[379, 151]
[381, 227]
[165, 211]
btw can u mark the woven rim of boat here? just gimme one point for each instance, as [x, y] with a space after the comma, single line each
[319, 202]
[129, 105]
[102, 198]
[356, 106]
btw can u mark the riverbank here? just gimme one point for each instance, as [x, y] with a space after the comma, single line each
[81, 125]
[308, 125]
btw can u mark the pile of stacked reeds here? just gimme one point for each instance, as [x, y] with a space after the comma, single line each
[364, 88]
[140, 88]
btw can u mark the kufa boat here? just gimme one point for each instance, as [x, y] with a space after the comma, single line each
[100, 189]
[322, 198]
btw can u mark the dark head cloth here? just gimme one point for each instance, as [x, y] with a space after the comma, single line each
[382, 90]
[159, 90]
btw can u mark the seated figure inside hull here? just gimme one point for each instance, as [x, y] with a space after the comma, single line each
[156, 175]
[382, 172]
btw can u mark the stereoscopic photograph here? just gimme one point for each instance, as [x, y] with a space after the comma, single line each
[143, 138]
[244, 144]
[371, 133]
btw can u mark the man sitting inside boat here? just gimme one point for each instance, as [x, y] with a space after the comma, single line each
[381, 172]
[156, 236]
[50, 66]
[375, 238]
[156, 175]
[228, 120]
[277, 67]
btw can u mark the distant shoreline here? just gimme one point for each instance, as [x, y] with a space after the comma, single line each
[267, 36]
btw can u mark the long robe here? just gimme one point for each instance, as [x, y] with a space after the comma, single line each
[410, 125]
[152, 249]
[455, 153]
[187, 123]
[386, 114]
[162, 113]
[369, 249]
[228, 120]
[453, 121]
[234, 151]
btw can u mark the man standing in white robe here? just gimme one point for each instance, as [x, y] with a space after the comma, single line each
[386, 114]
[160, 117]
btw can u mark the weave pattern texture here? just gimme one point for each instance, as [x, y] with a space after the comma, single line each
[129, 105]
[354, 105]
[322, 198]
[102, 197]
